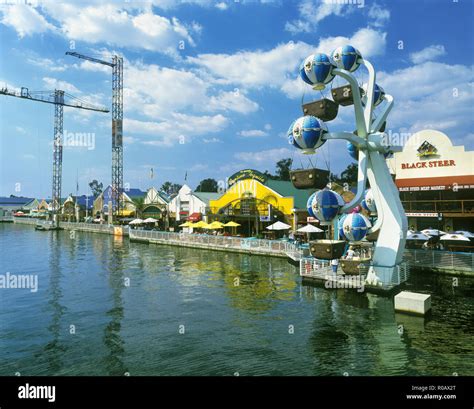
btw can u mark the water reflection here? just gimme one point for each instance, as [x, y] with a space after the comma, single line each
[54, 350]
[112, 333]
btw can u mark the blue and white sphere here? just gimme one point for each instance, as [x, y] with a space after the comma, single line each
[340, 226]
[369, 203]
[306, 133]
[316, 70]
[378, 93]
[355, 226]
[326, 205]
[289, 134]
[353, 151]
[308, 204]
[346, 58]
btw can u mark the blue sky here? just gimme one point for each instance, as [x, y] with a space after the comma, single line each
[212, 86]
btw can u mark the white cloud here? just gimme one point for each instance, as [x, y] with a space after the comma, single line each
[25, 19]
[222, 6]
[270, 156]
[278, 67]
[126, 24]
[311, 12]
[179, 128]
[53, 83]
[378, 16]
[428, 54]
[431, 95]
[253, 133]
[46, 63]
[177, 90]
[232, 101]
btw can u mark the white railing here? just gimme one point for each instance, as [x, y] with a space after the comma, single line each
[439, 259]
[26, 220]
[322, 270]
[227, 242]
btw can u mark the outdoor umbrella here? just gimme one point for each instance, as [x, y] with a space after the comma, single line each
[231, 224]
[465, 233]
[187, 224]
[433, 232]
[418, 236]
[136, 221]
[150, 220]
[200, 224]
[279, 226]
[309, 228]
[453, 237]
[216, 225]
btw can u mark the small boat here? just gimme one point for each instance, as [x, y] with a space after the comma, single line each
[45, 226]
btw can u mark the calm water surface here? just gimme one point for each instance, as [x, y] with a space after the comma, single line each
[227, 328]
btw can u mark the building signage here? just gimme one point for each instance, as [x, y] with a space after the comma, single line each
[422, 214]
[428, 164]
[247, 174]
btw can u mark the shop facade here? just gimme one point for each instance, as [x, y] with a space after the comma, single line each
[436, 182]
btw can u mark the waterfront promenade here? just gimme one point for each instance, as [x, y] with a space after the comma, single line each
[437, 261]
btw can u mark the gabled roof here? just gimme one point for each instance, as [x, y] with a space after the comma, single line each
[286, 188]
[207, 196]
[134, 193]
[14, 200]
[85, 201]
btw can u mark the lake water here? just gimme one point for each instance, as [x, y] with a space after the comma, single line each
[105, 306]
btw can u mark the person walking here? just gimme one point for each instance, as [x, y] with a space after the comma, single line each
[334, 264]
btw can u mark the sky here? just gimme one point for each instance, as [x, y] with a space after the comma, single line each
[211, 87]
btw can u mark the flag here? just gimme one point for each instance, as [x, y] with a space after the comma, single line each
[186, 176]
[151, 173]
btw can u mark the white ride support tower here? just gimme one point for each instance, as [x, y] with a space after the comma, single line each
[372, 145]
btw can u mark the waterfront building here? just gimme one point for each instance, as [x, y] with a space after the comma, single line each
[155, 203]
[101, 203]
[189, 205]
[436, 182]
[255, 201]
[12, 204]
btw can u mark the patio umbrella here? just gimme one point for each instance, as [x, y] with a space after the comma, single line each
[453, 237]
[215, 225]
[187, 224]
[200, 224]
[150, 220]
[465, 233]
[309, 228]
[231, 224]
[418, 237]
[136, 221]
[279, 226]
[433, 232]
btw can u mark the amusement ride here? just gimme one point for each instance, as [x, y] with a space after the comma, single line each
[370, 147]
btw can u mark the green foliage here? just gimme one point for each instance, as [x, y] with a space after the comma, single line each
[207, 185]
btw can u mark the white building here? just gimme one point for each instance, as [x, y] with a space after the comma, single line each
[189, 205]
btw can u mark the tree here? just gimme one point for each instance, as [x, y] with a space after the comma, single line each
[348, 175]
[139, 203]
[96, 187]
[170, 188]
[207, 185]
[283, 167]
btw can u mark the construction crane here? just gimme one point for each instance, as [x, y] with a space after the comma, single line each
[60, 99]
[117, 126]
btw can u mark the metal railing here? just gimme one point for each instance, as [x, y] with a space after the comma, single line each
[224, 242]
[439, 259]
